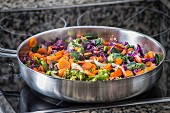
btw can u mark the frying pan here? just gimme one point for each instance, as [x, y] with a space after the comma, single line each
[87, 91]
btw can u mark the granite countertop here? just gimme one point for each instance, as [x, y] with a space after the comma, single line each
[25, 4]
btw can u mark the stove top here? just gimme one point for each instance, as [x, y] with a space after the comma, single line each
[150, 18]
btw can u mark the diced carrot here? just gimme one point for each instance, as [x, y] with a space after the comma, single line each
[42, 51]
[130, 49]
[95, 72]
[87, 72]
[87, 54]
[138, 59]
[30, 54]
[147, 69]
[128, 73]
[93, 57]
[41, 68]
[71, 61]
[54, 58]
[107, 66]
[118, 61]
[120, 45]
[140, 72]
[37, 55]
[35, 69]
[146, 55]
[105, 43]
[117, 73]
[87, 65]
[124, 52]
[49, 50]
[151, 54]
[100, 59]
[32, 42]
[61, 72]
[93, 67]
[149, 63]
[64, 64]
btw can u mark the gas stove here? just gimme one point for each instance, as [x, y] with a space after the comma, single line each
[150, 18]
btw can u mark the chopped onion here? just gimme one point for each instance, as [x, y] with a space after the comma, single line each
[118, 66]
[76, 66]
[70, 46]
[88, 60]
[54, 74]
[98, 63]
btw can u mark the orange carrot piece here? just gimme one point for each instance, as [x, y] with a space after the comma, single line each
[37, 55]
[71, 61]
[49, 50]
[128, 73]
[41, 68]
[151, 54]
[147, 69]
[87, 72]
[124, 52]
[87, 65]
[118, 61]
[100, 59]
[130, 49]
[54, 58]
[140, 72]
[42, 51]
[35, 69]
[107, 66]
[117, 73]
[64, 64]
[32, 42]
[61, 72]
[146, 55]
[149, 63]
[93, 67]
[138, 59]
[95, 71]
[88, 53]
[105, 43]
[120, 45]
[30, 53]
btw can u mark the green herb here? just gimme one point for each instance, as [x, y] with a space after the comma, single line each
[114, 50]
[45, 66]
[48, 73]
[35, 49]
[91, 35]
[98, 41]
[75, 55]
[158, 58]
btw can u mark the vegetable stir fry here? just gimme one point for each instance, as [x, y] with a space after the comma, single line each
[89, 58]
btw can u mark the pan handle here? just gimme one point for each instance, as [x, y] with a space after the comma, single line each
[8, 53]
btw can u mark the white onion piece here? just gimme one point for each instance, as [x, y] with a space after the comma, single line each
[98, 63]
[70, 46]
[76, 66]
[118, 66]
[88, 60]
[54, 74]
[43, 46]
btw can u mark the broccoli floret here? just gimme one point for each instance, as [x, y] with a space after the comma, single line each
[103, 74]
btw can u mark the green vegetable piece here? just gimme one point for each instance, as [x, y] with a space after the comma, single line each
[127, 46]
[105, 48]
[28, 63]
[131, 65]
[35, 49]
[139, 65]
[158, 58]
[114, 50]
[44, 64]
[81, 50]
[117, 55]
[81, 76]
[98, 41]
[91, 35]
[73, 78]
[110, 58]
[103, 74]
[75, 55]
[48, 73]
[85, 41]
[37, 60]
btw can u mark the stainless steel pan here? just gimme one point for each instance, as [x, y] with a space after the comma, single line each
[92, 92]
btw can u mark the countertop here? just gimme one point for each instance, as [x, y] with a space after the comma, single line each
[9, 5]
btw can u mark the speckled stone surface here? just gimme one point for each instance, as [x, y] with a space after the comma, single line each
[142, 17]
